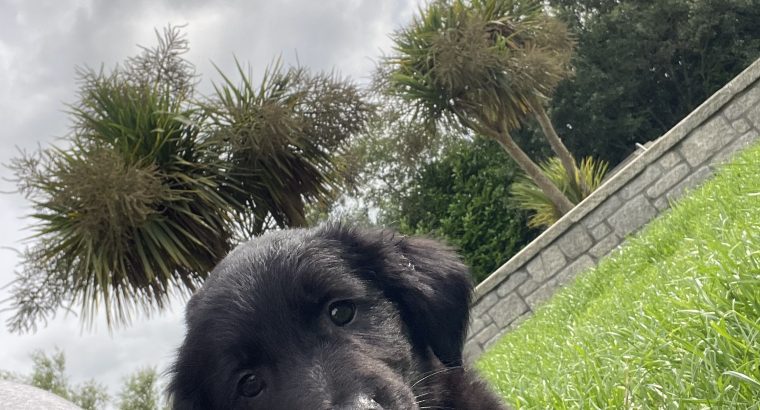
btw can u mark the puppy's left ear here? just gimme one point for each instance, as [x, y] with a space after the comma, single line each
[434, 289]
[427, 280]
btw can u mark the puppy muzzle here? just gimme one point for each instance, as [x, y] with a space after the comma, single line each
[360, 402]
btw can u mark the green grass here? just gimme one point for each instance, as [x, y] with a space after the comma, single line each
[672, 320]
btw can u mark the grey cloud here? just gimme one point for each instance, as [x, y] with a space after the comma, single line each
[42, 41]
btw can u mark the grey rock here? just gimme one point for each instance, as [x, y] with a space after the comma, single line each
[605, 246]
[749, 99]
[495, 338]
[569, 273]
[485, 335]
[517, 322]
[661, 204]
[668, 180]
[471, 352]
[600, 231]
[741, 125]
[528, 287]
[477, 324]
[650, 174]
[602, 212]
[540, 295]
[632, 216]
[508, 286]
[15, 396]
[754, 115]
[482, 305]
[575, 241]
[536, 267]
[704, 141]
[669, 160]
[553, 260]
[735, 147]
[545, 291]
[691, 182]
[507, 310]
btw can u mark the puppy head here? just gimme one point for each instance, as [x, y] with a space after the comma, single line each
[329, 318]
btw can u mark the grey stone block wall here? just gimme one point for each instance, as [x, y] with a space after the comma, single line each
[678, 161]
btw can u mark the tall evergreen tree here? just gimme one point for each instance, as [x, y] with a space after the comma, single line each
[641, 66]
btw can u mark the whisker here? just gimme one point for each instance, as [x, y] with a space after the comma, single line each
[435, 373]
[420, 396]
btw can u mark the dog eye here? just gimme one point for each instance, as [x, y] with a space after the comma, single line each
[342, 312]
[250, 385]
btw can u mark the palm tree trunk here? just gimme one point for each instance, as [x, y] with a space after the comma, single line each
[568, 162]
[523, 160]
[293, 207]
[534, 172]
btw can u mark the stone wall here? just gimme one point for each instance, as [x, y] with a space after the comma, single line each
[648, 183]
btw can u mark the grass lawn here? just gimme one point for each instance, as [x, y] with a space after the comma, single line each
[672, 320]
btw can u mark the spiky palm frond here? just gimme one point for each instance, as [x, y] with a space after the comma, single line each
[152, 189]
[163, 66]
[131, 210]
[544, 213]
[282, 139]
[490, 61]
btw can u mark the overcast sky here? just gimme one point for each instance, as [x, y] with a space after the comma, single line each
[41, 42]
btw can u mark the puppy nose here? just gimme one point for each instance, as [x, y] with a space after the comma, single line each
[360, 402]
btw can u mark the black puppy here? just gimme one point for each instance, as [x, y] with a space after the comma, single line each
[330, 318]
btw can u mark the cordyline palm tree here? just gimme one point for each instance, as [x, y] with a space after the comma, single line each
[488, 65]
[154, 189]
[544, 213]
[284, 141]
[131, 210]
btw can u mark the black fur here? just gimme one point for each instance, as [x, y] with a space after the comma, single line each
[264, 311]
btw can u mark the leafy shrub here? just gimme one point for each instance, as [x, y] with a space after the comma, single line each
[544, 213]
[463, 198]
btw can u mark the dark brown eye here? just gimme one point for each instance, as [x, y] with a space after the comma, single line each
[342, 312]
[250, 385]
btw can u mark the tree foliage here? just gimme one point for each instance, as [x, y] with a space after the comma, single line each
[153, 188]
[49, 373]
[443, 184]
[543, 212]
[641, 66]
[390, 155]
[131, 210]
[481, 61]
[488, 66]
[141, 391]
[285, 141]
[625, 49]
[463, 197]
[164, 65]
